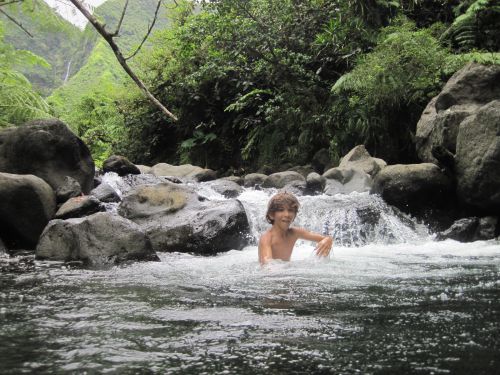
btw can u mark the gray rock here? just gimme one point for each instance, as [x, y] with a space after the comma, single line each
[228, 189]
[79, 207]
[49, 150]
[304, 170]
[105, 193]
[120, 165]
[186, 171]
[3, 248]
[280, 179]
[254, 179]
[359, 158]
[177, 219]
[462, 230]
[145, 169]
[296, 187]
[321, 161]
[315, 182]
[99, 239]
[413, 186]
[239, 180]
[487, 228]
[467, 90]
[27, 203]
[477, 160]
[346, 180]
[71, 188]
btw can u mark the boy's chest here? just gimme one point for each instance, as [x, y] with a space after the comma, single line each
[282, 248]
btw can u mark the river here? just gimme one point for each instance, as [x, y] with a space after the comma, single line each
[389, 300]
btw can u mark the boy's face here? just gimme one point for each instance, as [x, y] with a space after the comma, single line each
[283, 216]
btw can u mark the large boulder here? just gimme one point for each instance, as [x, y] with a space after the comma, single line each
[463, 95]
[100, 239]
[254, 179]
[359, 158]
[477, 159]
[280, 179]
[413, 187]
[346, 180]
[27, 203]
[177, 219]
[49, 150]
[187, 171]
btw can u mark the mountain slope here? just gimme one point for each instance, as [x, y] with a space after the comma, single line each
[54, 39]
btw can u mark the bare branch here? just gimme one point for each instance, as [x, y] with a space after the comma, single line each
[16, 22]
[119, 56]
[10, 2]
[149, 31]
[121, 19]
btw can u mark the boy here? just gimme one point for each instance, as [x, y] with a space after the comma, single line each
[278, 242]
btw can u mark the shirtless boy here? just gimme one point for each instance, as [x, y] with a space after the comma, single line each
[278, 242]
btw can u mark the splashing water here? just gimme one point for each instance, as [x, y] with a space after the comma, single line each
[389, 300]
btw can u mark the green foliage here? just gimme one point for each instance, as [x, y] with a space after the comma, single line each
[53, 38]
[251, 68]
[477, 27]
[96, 118]
[18, 101]
[394, 81]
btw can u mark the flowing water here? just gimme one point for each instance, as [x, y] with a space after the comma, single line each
[389, 300]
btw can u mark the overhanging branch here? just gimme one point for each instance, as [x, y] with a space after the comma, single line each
[108, 37]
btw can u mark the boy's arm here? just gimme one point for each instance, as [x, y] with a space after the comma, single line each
[265, 250]
[323, 243]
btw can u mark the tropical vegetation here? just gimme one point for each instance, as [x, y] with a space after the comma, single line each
[268, 83]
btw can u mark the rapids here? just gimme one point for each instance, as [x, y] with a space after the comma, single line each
[389, 300]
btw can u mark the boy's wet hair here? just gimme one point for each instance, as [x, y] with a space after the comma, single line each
[279, 201]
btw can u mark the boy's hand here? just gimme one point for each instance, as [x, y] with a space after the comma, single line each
[324, 246]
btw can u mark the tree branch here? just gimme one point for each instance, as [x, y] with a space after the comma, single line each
[15, 21]
[149, 31]
[121, 19]
[3, 3]
[119, 56]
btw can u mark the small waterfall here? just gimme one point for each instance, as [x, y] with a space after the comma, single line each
[68, 69]
[354, 220]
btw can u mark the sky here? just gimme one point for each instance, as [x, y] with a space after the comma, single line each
[69, 12]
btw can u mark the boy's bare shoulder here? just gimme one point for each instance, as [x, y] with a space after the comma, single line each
[266, 236]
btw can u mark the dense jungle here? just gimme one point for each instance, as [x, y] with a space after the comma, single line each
[255, 85]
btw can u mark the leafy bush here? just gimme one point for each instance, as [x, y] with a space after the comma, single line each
[389, 87]
[18, 101]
